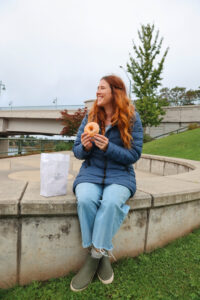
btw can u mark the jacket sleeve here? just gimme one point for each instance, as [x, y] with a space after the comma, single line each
[128, 156]
[78, 148]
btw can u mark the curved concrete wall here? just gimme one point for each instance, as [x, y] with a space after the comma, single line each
[40, 237]
[176, 117]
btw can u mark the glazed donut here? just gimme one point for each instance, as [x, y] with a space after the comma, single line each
[91, 128]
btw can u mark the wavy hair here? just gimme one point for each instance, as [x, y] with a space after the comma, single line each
[124, 111]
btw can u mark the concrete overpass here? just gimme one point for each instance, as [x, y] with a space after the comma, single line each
[45, 122]
[30, 122]
[36, 120]
[41, 121]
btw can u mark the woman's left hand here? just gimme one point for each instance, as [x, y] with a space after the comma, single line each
[101, 141]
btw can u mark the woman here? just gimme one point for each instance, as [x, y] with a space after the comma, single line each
[106, 179]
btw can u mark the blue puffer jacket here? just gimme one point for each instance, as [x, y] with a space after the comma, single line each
[115, 165]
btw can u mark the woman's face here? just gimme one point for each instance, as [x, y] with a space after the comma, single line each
[104, 94]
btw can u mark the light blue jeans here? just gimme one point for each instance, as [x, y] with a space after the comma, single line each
[101, 211]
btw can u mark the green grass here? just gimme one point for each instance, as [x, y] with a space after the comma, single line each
[63, 146]
[168, 273]
[182, 145]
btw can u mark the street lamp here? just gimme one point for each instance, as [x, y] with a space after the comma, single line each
[2, 87]
[10, 104]
[55, 102]
[128, 79]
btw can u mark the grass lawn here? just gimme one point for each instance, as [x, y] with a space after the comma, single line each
[182, 145]
[169, 273]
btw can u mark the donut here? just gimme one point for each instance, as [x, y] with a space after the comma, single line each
[91, 128]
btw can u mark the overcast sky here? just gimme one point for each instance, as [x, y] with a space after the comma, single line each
[61, 48]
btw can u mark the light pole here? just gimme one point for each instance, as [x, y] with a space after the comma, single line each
[129, 81]
[55, 102]
[2, 87]
[10, 104]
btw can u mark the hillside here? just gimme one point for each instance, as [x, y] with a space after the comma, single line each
[183, 145]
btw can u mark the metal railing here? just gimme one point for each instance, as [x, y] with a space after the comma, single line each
[43, 107]
[173, 131]
[20, 146]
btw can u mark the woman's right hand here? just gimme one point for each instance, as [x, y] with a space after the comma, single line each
[86, 141]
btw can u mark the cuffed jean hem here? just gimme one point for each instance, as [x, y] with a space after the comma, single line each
[91, 244]
[87, 246]
[105, 248]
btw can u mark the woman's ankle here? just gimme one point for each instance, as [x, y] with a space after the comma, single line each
[96, 253]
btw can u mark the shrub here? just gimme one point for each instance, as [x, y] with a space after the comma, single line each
[193, 126]
[71, 122]
[64, 146]
[147, 138]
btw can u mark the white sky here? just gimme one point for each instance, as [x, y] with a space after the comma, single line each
[61, 48]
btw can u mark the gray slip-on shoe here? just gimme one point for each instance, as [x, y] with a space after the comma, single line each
[105, 272]
[85, 275]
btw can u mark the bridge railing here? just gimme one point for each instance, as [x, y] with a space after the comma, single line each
[181, 129]
[44, 107]
[19, 146]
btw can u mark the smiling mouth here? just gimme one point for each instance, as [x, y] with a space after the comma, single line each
[99, 100]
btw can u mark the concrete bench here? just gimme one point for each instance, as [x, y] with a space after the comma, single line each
[40, 237]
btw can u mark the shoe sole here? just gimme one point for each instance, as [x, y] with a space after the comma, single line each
[79, 290]
[108, 281]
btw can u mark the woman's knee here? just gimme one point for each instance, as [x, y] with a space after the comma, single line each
[116, 195]
[83, 199]
[86, 196]
[111, 203]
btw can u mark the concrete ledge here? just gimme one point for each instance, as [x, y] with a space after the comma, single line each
[8, 252]
[163, 165]
[34, 204]
[35, 230]
[167, 223]
[10, 195]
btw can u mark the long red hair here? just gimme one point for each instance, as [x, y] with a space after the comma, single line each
[124, 115]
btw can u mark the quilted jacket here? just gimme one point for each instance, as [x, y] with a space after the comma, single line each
[115, 165]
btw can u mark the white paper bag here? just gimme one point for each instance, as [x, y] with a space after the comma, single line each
[53, 174]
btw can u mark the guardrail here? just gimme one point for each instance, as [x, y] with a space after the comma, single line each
[43, 107]
[19, 146]
[173, 131]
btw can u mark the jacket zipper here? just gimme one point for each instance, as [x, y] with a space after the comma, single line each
[105, 163]
[105, 167]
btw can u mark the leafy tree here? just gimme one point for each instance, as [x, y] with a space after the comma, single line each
[179, 96]
[164, 96]
[190, 97]
[146, 75]
[71, 121]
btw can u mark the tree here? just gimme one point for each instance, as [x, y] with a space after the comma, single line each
[71, 121]
[176, 95]
[179, 96]
[164, 96]
[146, 76]
[190, 97]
